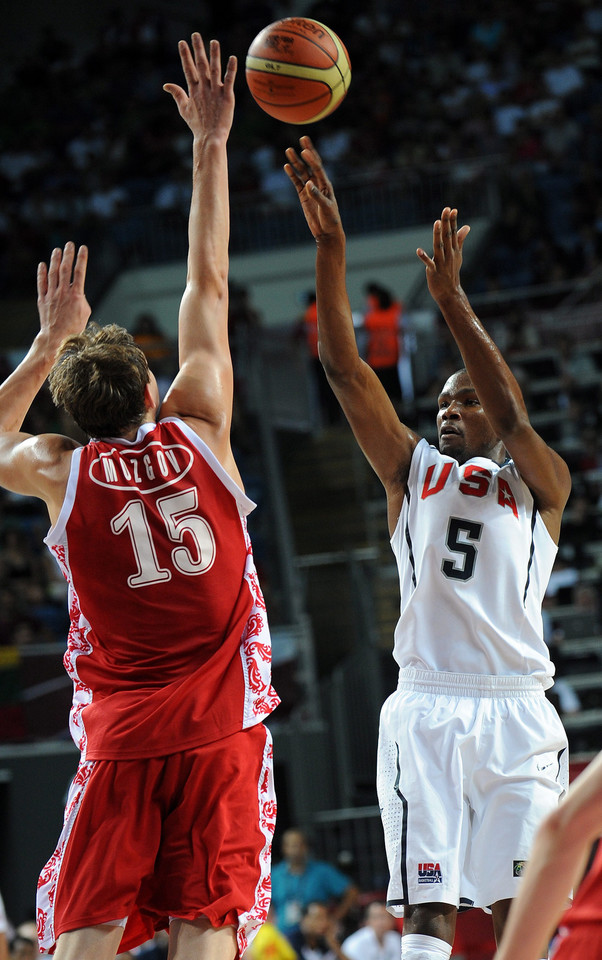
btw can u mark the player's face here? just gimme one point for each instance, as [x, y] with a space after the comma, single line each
[379, 919]
[294, 847]
[463, 429]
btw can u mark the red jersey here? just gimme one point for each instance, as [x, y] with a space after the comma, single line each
[169, 645]
[587, 905]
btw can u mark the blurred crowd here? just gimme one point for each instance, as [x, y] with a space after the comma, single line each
[88, 138]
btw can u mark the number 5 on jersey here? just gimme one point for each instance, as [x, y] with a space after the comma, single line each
[457, 530]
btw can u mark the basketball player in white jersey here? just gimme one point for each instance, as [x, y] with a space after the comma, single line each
[170, 816]
[471, 752]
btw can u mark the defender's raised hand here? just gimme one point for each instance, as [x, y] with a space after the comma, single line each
[62, 303]
[208, 107]
[314, 189]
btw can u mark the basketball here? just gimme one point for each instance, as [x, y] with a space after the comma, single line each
[298, 70]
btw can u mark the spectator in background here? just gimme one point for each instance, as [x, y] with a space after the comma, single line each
[307, 328]
[24, 944]
[317, 936]
[298, 880]
[382, 323]
[157, 348]
[244, 326]
[377, 939]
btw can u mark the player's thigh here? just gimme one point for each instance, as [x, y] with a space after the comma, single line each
[420, 788]
[521, 776]
[215, 844]
[112, 842]
[99, 942]
[420, 756]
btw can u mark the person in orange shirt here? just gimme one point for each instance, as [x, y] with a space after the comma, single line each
[382, 323]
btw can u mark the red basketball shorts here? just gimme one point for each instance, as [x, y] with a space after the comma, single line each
[182, 836]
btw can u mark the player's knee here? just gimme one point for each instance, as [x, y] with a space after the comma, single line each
[431, 920]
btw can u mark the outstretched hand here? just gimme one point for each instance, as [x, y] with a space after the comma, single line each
[314, 189]
[443, 268]
[208, 107]
[62, 303]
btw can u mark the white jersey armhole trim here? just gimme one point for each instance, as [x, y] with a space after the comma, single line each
[55, 534]
[245, 503]
[416, 453]
[540, 524]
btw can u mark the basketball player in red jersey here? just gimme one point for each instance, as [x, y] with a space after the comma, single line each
[471, 755]
[556, 864]
[170, 817]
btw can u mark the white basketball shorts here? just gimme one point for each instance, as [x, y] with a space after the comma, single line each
[467, 768]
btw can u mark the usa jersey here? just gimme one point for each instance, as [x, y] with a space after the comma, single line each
[474, 559]
[169, 645]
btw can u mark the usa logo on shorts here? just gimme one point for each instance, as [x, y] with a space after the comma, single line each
[429, 873]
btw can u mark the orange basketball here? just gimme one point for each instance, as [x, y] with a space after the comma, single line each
[298, 70]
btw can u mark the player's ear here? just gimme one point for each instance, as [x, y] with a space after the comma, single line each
[150, 400]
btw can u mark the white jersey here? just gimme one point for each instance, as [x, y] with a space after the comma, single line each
[474, 559]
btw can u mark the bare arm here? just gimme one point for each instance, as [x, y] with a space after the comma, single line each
[386, 442]
[542, 469]
[31, 465]
[555, 866]
[202, 392]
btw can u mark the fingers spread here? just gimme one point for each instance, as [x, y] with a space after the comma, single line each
[67, 263]
[188, 64]
[177, 93]
[42, 280]
[231, 68]
[53, 271]
[79, 272]
[296, 169]
[462, 234]
[437, 241]
[215, 59]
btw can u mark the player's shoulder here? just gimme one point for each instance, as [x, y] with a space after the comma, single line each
[424, 453]
[53, 451]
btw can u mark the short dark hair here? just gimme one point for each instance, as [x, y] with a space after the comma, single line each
[99, 378]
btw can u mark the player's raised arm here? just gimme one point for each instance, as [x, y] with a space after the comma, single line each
[542, 469]
[26, 462]
[202, 390]
[387, 443]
